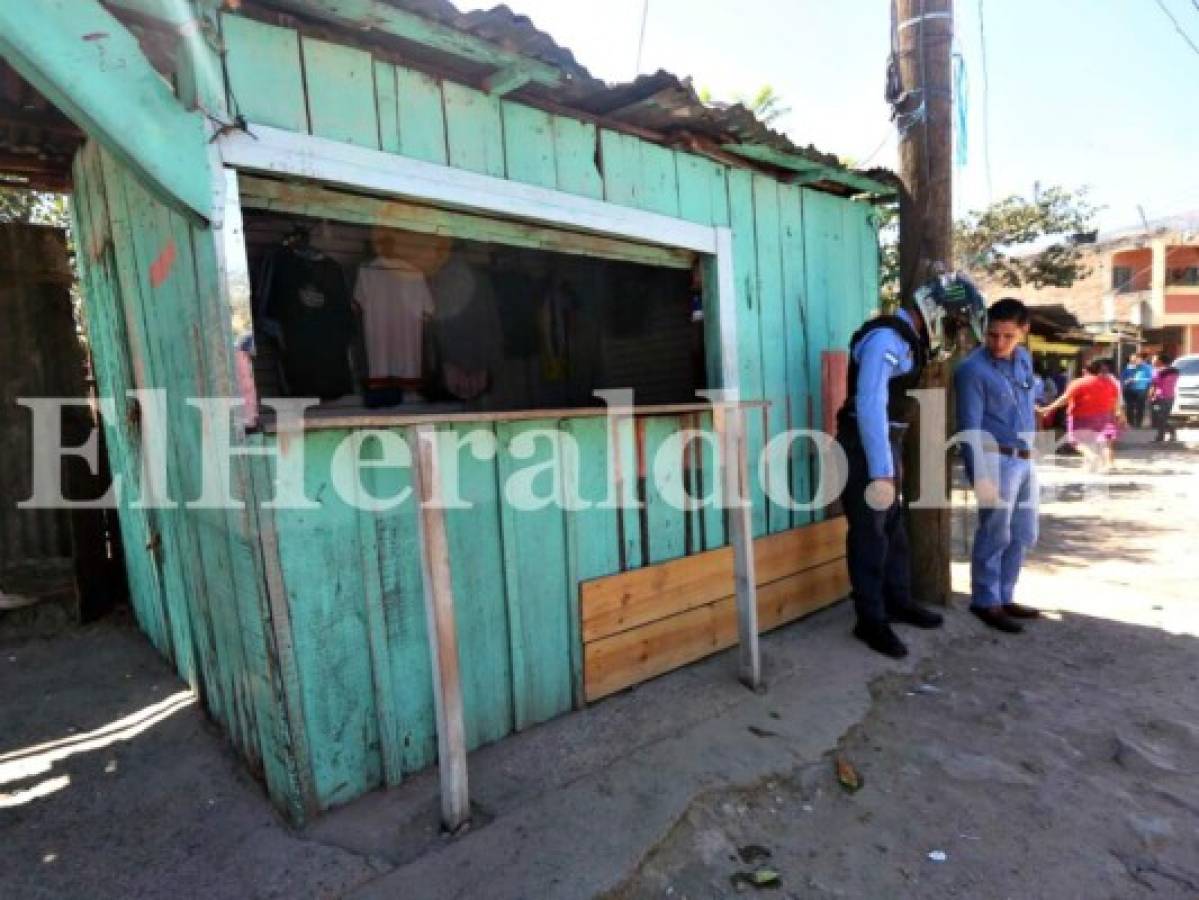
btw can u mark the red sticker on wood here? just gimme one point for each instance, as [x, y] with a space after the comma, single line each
[161, 267]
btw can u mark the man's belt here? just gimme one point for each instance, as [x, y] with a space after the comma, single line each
[1018, 452]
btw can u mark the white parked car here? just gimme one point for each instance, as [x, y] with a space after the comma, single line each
[1186, 402]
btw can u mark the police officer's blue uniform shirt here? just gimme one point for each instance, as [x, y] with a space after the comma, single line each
[998, 397]
[882, 355]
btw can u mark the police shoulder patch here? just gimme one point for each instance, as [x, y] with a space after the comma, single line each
[891, 357]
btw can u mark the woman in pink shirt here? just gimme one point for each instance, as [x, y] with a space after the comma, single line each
[1161, 397]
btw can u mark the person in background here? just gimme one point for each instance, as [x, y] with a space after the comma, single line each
[996, 391]
[1162, 391]
[1093, 406]
[886, 356]
[1135, 381]
[1061, 378]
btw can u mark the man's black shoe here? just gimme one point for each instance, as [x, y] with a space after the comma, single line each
[1020, 611]
[996, 618]
[914, 614]
[879, 637]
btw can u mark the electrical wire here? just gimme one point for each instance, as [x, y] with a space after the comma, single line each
[641, 35]
[982, 40]
[1186, 37]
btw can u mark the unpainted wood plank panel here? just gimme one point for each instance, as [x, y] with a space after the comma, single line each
[340, 86]
[421, 116]
[321, 561]
[265, 80]
[474, 129]
[636, 655]
[388, 103]
[535, 571]
[796, 315]
[664, 488]
[477, 566]
[620, 602]
[529, 145]
[575, 147]
[620, 155]
[659, 188]
[775, 337]
[749, 336]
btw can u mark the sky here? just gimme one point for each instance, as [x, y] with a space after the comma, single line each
[1082, 93]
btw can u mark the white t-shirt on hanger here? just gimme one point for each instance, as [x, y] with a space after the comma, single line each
[395, 299]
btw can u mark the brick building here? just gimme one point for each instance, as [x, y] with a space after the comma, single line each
[1144, 284]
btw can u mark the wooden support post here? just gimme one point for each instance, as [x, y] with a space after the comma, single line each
[924, 31]
[443, 636]
[729, 424]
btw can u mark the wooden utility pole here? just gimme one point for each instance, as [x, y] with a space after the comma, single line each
[923, 32]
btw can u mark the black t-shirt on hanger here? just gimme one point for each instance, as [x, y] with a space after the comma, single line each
[309, 298]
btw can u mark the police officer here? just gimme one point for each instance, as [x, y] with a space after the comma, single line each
[887, 356]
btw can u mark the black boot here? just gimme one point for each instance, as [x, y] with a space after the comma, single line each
[879, 637]
[917, 615]
[996, 618]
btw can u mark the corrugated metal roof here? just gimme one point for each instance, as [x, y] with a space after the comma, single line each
[663, 102]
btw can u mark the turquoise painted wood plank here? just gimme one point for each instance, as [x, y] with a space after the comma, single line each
[749, 337]
[535, 571]
[474, 129]
[321, 562]
[86, 63]
[130, 238]
[262, 66]
[627, 476]
[340, 85]
[477, 571]
[422, 116]
[387, 101]
[105, 330]
[592, 533]
[864, 220]
[796, 311]
[664, 487]
[620, 155]
[714, 533]
[575, 148]
[402, 585]
[703, 191]
[529, 145]
[775, 338]
[659, 188]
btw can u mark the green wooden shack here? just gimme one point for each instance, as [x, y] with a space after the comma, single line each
[696, 248]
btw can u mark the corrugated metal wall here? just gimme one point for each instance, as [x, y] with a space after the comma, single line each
[40, 356]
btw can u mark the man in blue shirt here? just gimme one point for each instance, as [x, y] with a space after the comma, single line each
[996, 395]
[887, 355]
[1136, 378]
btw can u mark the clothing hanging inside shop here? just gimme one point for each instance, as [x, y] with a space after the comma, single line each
[304, 304]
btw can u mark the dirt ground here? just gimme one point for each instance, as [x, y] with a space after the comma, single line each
[1061, 763]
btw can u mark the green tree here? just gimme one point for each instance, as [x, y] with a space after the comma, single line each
[37, 207]
[766, 104]
[1018, 241]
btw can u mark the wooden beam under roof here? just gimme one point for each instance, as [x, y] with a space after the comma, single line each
[810, 171]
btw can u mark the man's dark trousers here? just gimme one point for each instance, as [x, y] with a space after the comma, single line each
[1134, 406]
[877, 544]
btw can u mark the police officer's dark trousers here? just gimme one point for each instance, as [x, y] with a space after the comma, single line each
[877, 544]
